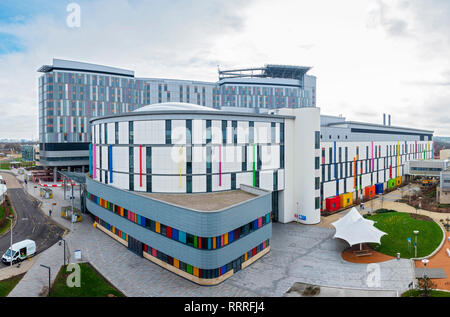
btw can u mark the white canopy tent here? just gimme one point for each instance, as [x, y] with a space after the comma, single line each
[355, 229]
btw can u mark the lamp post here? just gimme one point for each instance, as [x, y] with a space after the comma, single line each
[416, 232]
[424, 261]
[11, 217]
[48, 268]
[61, 239]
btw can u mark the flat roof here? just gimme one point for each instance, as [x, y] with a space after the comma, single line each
[331, 124]
[203, 201]
[268, 71]
[66, 65]
[193, 112]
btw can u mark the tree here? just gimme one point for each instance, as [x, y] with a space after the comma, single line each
[425, 286]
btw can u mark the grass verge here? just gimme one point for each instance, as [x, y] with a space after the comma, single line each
[6, 286]
[7, 224]
[93, 284]
[417, 293]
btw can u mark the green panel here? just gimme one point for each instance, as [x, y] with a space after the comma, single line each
[189, 268]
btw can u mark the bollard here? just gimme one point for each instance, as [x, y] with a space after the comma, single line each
[398, 256]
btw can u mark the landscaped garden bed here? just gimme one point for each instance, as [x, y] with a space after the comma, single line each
[93, 284]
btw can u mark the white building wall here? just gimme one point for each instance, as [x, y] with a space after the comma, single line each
[111, 130]
[123, 132]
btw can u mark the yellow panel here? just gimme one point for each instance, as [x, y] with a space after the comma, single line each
[176, 263]
[158, 227]
[195, 271]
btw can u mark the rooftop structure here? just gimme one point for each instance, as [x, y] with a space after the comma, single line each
[268, 71]
[66, 65]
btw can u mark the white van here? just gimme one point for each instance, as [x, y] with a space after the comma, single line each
[20, 251]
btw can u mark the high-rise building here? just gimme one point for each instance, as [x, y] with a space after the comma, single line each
[71, 93]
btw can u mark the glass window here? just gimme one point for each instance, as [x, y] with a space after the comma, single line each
[208, 131]
[188, 131]
[130, 129]
[168, 131]
[317, 139]
[251, 130]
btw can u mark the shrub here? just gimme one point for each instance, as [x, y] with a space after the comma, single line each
[384, 210]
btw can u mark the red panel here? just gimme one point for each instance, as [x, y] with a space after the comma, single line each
[333, 203]
[169, 232]
[369, 191]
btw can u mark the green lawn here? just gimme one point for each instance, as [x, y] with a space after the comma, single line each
[6, 286]
[416, 293]
[93, 284]
[399, 226]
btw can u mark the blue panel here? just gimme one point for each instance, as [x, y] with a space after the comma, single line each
[230, 236]
[182, 236]
[174, 234]
[209, 244]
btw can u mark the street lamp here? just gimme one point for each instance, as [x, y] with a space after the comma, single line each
[416, 232]
[11, 217]
[48, 268]
[424, 261]
[61, 239]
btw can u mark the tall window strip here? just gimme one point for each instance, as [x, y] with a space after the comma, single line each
[317, 139]
[224, 131]
[116, 130]
[105, 127]
[282, 133]
[168, 132]
[131, 170]
[281, 156]
[273, 132]
[208, 131]
[234, 131]
[208, 160]
[130, 132]
[148, 164]
[188, 131]
[251, 132]
[244, 158]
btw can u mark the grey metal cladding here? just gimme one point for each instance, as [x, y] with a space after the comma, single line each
[199, 223]
[204, 259]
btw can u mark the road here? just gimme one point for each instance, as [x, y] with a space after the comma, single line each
[31, 222]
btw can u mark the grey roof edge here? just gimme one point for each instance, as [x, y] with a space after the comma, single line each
[65, 64]
[142, 194]
[376, 125]
[218, 113]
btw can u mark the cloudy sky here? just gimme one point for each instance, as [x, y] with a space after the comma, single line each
[369, 56]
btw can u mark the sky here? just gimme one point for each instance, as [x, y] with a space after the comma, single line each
[369, 56]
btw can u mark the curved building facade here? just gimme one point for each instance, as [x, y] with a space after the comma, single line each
[188, 187]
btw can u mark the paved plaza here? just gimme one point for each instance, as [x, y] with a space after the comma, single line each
[299, 253]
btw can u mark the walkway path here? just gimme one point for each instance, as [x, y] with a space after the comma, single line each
[440, 260]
